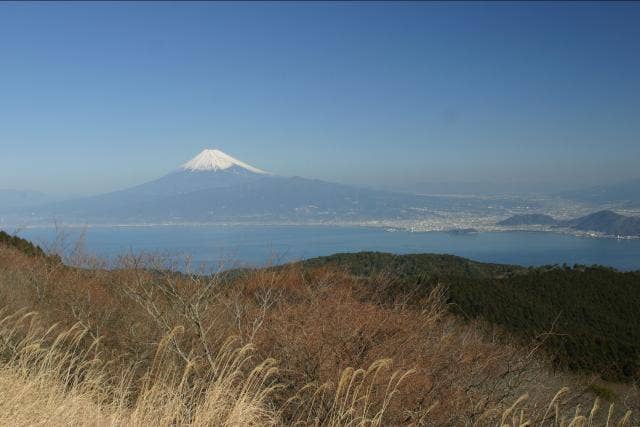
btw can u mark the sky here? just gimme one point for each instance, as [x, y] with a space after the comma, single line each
[100, 96]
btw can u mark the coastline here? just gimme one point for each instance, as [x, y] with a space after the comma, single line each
[479, 225]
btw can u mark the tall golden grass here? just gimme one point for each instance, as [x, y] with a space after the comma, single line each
[47, 379]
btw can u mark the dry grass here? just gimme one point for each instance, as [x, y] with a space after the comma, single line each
[136, 347]
[46, 380]
[357, 399]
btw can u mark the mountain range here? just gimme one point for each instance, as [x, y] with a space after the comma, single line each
[606, 222]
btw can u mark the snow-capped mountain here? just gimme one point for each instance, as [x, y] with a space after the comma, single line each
[216, 160]
[216, 187]
[210, 169]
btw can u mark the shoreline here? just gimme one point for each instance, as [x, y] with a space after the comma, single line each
[383, 225]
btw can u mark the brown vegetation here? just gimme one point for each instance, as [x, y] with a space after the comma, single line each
[141, 345]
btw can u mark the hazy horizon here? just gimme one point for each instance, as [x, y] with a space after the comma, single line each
[427, 187]
[102, 96]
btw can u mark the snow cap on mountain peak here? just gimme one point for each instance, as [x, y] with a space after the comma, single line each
[216, 160]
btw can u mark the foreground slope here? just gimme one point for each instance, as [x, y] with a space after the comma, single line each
[310, 346]
[586, 317]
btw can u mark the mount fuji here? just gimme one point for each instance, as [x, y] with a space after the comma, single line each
[215, 187]
[209, 169]
[216, 160]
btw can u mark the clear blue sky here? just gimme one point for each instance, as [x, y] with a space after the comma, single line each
[98, 96]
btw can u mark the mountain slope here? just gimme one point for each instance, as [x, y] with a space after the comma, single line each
[585, 317]
[267, 198]
[216, 160]
[412, 267]
[209, 169]
[214, 186]
[607, 222]
[528, 219]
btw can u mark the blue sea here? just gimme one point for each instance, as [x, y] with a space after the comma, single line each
[211, 246]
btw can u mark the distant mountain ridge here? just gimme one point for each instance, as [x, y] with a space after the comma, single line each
[605, 221]
[528, 219]
[215, 187]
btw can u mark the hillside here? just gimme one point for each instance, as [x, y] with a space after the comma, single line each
[413, 266]
[22, 245]
[142, 345]
[590, 311]
[528, 219]
[606, 222]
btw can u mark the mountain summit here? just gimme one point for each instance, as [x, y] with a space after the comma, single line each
[216, 160]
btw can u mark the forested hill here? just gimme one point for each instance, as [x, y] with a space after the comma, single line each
[590, 313]
[22, 245]
[413, 266]
[587, 316]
